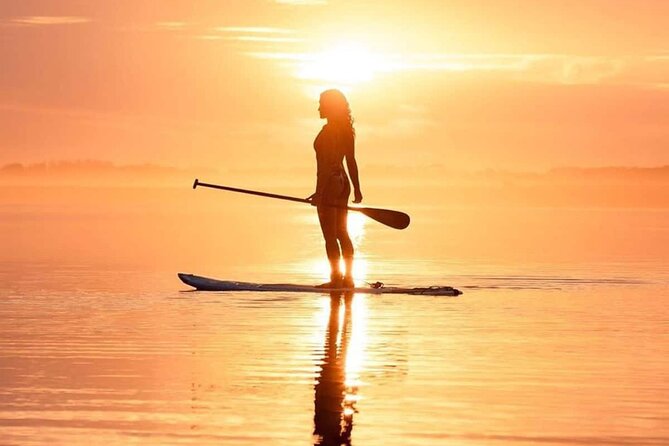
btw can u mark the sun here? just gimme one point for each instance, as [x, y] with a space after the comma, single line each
[345, 63]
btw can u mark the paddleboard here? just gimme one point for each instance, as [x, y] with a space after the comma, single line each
[206, 284]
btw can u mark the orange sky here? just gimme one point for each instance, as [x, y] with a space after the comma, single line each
[472, 84]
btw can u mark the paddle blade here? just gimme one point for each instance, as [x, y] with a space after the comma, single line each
[394, 219]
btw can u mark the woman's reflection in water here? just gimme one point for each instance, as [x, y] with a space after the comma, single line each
[334, 401]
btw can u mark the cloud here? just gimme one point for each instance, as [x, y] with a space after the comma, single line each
[254, 30]
[290, 57]
[252, 34]
[417, 61]
[549, 68]
[264, 39]
[50, 20]
[171, 26]
[542, 68]
[208, 37]
[302, 2]
[573, 70]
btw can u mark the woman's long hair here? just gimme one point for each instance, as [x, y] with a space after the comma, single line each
[337, 109]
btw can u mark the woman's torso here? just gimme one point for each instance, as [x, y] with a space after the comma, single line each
[331, 146]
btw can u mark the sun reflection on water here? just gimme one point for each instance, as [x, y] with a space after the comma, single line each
[355, 353]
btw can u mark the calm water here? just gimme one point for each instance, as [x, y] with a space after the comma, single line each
[569, 349]
[122, 357]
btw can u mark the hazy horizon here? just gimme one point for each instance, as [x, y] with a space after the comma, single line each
[76, 167]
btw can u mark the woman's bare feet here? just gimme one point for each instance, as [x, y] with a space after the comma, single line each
[336, 282]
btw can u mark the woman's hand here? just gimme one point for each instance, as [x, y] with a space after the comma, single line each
[357, 196]
[314, 199]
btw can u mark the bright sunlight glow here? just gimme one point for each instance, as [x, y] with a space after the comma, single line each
[346, 63]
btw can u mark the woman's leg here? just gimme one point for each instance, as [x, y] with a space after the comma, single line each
[345, 242]
[327, 216]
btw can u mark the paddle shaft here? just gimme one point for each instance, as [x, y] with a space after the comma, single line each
[394, 219]
[250, 192]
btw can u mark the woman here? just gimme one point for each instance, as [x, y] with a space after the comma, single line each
[334, 143]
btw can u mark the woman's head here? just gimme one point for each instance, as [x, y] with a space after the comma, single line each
[334, 106]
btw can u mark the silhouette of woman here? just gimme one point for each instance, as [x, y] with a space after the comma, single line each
[334, 143]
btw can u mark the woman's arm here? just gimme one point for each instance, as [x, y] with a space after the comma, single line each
[352, 166]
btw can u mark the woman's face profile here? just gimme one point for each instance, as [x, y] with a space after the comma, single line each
[321, 109]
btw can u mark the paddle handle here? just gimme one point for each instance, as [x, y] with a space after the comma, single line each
[250, 192]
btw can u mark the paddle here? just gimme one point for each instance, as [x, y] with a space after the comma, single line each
[394, 219]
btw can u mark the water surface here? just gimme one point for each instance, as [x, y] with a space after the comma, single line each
[561, 336]
[130, 357]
